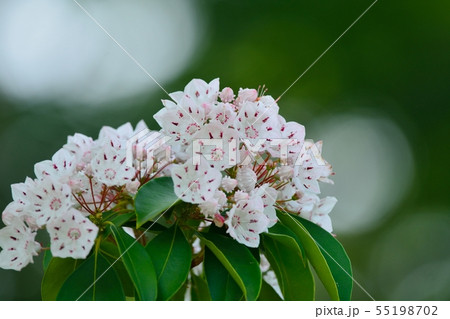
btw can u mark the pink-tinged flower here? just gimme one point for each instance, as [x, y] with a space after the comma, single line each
[44, 199]
[81, 147]
[228, 184]
[246, 95]
[181, 121]
[195, 183]
[268, 195]
[240, 195]
[17, 246]
[18, 210]
[61, 167]
[227, 95]
[246, 178]
[246, 221]
[109, 166]
[310, 168]
[210, 207]
[258, 120]
[320, 215]
[216, 145]
[71, 235]
[222, 113]
[201, 92]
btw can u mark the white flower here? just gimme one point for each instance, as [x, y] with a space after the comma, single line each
[228, 183]
[221, 198]
[246, 221]
[268, 195]
[195, 183]
[182, 120]
[285, 172]
[240, 195]
[216, 145]
[81, 147]
[201, 92]
[246, 178]
[321, 216]
[226, 95]
[44, 199]
[222, 113]
[71, 235]
[257, 120]
[18, 210]
[61, 167]
[246, 95]
[210, 207]
[17, 246]
[109, 167]
[310, 168]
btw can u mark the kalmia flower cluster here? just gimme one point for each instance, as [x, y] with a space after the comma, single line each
[233, 156]
[239, 160]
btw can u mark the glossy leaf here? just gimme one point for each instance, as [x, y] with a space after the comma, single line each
[335, 256]
[110, 251]
[153, 198]
[58, 270]
[118, 220]
[138, 264]
[222, 286]
[171, 255]
[238, 261]
[94, 279]
[199, 289]
[47, 258]
[294, 276]
[313, 252]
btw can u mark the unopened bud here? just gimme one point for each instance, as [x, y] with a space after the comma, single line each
[218, 220]
[226, 95]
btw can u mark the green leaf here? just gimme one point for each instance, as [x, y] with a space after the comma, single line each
[138, 264]
[47, 258]
[96, 276]
[335, 256]
[294, 276]
[312, 251]
[268, 293]
[58, 270]
[179, 295]
[118, 220]
[110, 251]
[171, 255]
[222, 286]
[238, 261]
[153, 198]
[199, 290]
[279, 228]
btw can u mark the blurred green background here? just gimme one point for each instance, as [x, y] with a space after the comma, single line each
[379, 99]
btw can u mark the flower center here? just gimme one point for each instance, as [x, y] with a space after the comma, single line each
[192, 128]
[55, 204]
[217, 154]
[110, 173]
[222, 117]
[194, 186]
[251, 132]
[74, 233]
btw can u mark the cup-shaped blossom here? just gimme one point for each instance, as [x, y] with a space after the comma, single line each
[17, 245]
[195, 183]
[71, 235]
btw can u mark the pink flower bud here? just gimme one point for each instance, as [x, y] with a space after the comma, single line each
[226, 95]
[219, 220]
[247, 95]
